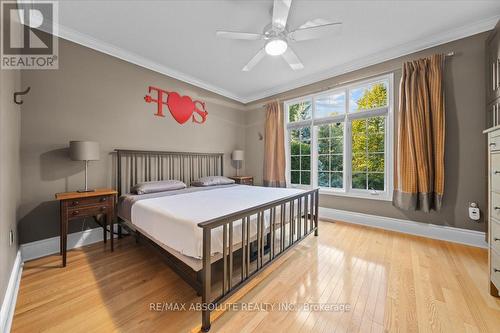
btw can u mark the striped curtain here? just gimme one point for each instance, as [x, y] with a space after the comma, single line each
[419, 164]
[274, 146]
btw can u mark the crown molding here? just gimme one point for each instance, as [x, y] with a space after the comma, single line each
[375, 58]
[109, 49]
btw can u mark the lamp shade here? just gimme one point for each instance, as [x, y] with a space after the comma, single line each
[238, 155]
[84, 150]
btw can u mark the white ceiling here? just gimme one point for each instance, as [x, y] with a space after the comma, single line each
[177, 38]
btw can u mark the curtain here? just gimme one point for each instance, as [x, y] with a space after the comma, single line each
[274, 146]
[419, 163]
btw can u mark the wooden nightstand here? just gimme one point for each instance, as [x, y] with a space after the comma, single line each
[75, 205]
[243, 180]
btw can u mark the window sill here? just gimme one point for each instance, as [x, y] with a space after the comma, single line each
[383, 196]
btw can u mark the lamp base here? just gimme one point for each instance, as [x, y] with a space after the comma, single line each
[85, 191]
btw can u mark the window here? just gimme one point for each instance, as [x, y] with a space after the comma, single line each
[300, 156]
[300, 111]
[368, 153]
[331, 155]
[341, 140]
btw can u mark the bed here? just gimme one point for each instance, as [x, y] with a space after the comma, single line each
[217, 238]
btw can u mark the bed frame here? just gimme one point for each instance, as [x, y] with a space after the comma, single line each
[240, 262]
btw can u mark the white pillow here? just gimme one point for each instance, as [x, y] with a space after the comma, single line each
[212, 181]
[157, 186]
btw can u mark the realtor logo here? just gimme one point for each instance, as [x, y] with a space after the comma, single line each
[27, 38]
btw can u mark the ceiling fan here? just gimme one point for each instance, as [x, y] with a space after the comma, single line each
[278, 36]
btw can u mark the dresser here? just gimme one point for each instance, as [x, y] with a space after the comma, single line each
[494, 208]
[493, 133]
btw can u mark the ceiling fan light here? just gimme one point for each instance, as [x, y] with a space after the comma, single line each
[276, 47]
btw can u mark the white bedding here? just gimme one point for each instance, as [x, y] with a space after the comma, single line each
[173, 220]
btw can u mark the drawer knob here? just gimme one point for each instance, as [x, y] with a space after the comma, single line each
[103, 209]
[496, 172]
[493, 144]
[75, 203]
[104, 199]
[496, 208]
[496, 270]
[496, 239]
[75, 212]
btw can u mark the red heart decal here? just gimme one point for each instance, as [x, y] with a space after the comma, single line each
[181, 108]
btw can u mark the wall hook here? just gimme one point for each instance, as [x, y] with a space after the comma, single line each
[20, 93]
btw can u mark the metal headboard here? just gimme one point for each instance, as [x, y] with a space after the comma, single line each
[134, 166]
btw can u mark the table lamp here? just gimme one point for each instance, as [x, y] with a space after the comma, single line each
[84, 151]
[238, 156]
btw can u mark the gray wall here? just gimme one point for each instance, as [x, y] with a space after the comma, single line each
[465, 158]
[10, 181]
[94, 96]
[97, 97]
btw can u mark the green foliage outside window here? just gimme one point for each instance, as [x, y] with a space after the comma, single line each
[375, 97]
[331, 155]
[368, 142]
[368, 146]
[299, 111]
[300, 155]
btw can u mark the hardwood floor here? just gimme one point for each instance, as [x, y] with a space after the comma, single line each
[392, 282]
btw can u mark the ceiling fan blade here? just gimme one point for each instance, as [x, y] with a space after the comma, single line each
[314, 23]
[281, 8]
[315, 32]
[238, 35]
[292, 59]
[255, 60]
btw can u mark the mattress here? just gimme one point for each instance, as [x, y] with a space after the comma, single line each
[172, 219]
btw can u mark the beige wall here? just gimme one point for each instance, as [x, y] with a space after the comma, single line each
[10, 132]
[465, 145]
[254, 149]
[97, 97]
[10, 181]
[94, 96]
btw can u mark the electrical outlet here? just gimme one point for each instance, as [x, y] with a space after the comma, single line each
[474, 213]
[11, 238]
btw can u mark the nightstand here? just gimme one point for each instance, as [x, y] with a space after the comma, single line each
[243, 180]
[76, 205]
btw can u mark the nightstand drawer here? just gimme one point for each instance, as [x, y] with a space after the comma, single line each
[242, 180]
[86, 211]
[91, 201]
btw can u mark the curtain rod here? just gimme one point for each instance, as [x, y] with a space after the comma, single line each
[448, 54]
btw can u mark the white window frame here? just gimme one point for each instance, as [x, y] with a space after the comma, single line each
[346, 119]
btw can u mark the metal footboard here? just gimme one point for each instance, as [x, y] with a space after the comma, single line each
[290, 220]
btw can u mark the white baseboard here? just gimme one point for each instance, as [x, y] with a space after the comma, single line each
[10, 298]
[45, 247]
[451, 234]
